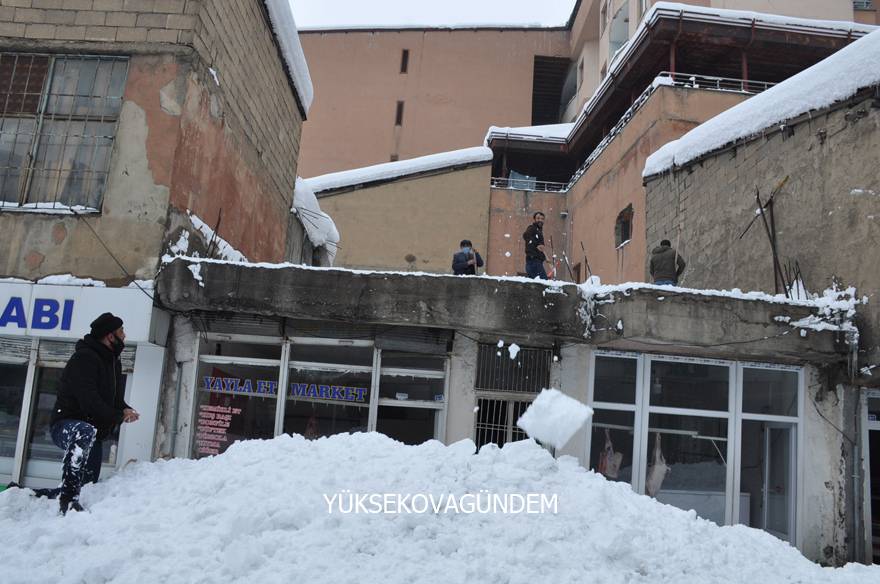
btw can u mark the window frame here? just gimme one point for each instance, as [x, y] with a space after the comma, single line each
[734, 416]
[29, 202]
[285, 364]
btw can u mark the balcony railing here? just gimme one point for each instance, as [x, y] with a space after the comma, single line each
[863, 4]
[524, 184]
[705, 82]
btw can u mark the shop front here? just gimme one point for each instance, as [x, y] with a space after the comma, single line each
[723, 438]
[39, 327]
[317, 384]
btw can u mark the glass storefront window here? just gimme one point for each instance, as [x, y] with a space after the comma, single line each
[40, 445]
[615, 380]
[413, 361]
[770, 391]
[407, 425]
[611, 444]
[410, 388]
[767, 477]
[246, 350]
[322, 403]
[339, 354]
[690, 385]
[12, 380]
[686, 463]
[234, 402]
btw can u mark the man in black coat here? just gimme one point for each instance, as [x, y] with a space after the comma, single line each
[535, 256]
[90, 404]
[666, 265]
[467, 260]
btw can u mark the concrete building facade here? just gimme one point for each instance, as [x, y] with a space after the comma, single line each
[417, 357]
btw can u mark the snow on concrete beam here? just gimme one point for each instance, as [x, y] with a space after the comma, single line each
[639, 317]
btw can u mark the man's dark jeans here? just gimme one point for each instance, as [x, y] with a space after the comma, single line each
[82, 458]
[535, 269]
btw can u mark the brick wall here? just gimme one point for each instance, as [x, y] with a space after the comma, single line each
[160, 21]
[827, 215]
[234, 39]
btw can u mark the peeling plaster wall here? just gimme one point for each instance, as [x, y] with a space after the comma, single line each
[460, 413]
[828, 487]
[174, 427]
[133, 214]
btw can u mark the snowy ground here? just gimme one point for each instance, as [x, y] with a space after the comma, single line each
[257, 514]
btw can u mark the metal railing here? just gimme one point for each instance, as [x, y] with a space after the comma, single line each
[664, 78]
[863, 4]
[524, 184]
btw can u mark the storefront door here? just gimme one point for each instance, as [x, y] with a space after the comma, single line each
[778, 492]
[871, 440]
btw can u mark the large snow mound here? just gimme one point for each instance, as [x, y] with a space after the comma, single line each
[342, 14]
[834, 79]
[319, 226]
[258, 514]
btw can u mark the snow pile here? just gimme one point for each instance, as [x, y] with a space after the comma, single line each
[834, 79]
[548, 132]
[391, 170]
[70, 280]
[259, 513]
[339, 14]
[553, 418]
[281, 14]
[319, 226]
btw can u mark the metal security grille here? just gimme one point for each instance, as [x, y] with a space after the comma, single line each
[58, 117]
[496, 421]
[527, 372]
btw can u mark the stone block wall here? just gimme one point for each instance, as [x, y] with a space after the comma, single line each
[827, 215]
[153, 21]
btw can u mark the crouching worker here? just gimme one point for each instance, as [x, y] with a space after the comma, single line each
[89, 406]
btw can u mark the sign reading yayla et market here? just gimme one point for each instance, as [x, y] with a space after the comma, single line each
[270, 387]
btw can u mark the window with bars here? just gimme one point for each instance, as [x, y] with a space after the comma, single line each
[496, 421]
[525, 370]
[58, 117]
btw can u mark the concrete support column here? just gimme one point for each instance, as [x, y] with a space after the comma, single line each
[573, 377]
[462, 398]
[136, 439]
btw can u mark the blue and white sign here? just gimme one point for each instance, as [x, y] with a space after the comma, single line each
[54, 311]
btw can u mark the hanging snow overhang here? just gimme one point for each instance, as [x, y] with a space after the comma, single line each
[279, 15]
[639, 317]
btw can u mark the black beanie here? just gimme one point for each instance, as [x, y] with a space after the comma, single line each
[105, 324]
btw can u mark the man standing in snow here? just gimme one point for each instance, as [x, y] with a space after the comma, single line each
[89, 406]
[666, 265]
[467, 260]
[534, 238]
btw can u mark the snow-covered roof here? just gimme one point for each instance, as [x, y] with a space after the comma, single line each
[836, 78]
[397, 14]
[546, 133]
[391, 170]
[319, 226]
[281, 14]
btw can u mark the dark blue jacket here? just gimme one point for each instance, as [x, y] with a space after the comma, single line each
[460, 265]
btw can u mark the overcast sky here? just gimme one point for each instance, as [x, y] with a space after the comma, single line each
[415, 13]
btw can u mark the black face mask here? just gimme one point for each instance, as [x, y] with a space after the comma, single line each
[118, 345]
[539, 223]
